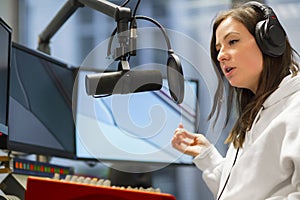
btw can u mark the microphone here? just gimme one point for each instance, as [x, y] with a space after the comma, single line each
[123, 82]
[126, 81]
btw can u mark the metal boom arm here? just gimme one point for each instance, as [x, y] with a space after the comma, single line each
[121, 15]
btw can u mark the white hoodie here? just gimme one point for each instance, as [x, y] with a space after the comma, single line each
[268, 165]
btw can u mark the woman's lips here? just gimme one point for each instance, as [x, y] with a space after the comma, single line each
[228, 70]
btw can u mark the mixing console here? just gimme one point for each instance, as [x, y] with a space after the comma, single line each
[23, 166]
[79, 188]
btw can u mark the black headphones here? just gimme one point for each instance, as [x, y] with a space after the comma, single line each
[269, 34]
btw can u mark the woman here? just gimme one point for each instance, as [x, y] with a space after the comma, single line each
[263, 159]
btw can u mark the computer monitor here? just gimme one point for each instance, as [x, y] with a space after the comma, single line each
[40, 104]
[5, 49]
[133, 128]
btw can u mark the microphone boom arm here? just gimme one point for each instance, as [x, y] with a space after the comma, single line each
[122, 16]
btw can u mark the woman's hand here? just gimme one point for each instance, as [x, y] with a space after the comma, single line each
[189, 143]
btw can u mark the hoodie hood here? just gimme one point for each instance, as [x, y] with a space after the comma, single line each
[289, 85]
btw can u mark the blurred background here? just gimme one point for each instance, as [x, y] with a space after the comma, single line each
[87, 28]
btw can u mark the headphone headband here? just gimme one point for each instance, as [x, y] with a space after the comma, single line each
[269, 33]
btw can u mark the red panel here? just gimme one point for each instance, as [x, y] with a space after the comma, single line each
[49, 189]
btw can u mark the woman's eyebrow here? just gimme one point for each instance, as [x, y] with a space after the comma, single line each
[226, 36]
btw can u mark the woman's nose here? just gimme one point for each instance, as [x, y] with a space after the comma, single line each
[222, 55]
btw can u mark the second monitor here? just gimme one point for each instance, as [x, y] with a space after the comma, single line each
[134, 127]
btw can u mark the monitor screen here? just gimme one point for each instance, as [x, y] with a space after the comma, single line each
[133, 127]
[5, 48]
[40, 104]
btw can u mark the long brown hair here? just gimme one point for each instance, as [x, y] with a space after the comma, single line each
[274, 70]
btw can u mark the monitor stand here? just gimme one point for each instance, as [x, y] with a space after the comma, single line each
[43, 159]
[121, 178]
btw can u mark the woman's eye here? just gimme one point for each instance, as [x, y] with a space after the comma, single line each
[231, 42]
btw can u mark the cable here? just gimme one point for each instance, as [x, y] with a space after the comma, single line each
[159, 26]
[110, 42]
[147, 19]
[136, 7]
[132, 23]
[125, 3]
[236, 155]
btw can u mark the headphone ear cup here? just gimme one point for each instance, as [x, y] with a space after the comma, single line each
[175, 78]
[259, 36]
[270, 38]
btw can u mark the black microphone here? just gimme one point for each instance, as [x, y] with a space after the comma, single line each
[123, 82]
